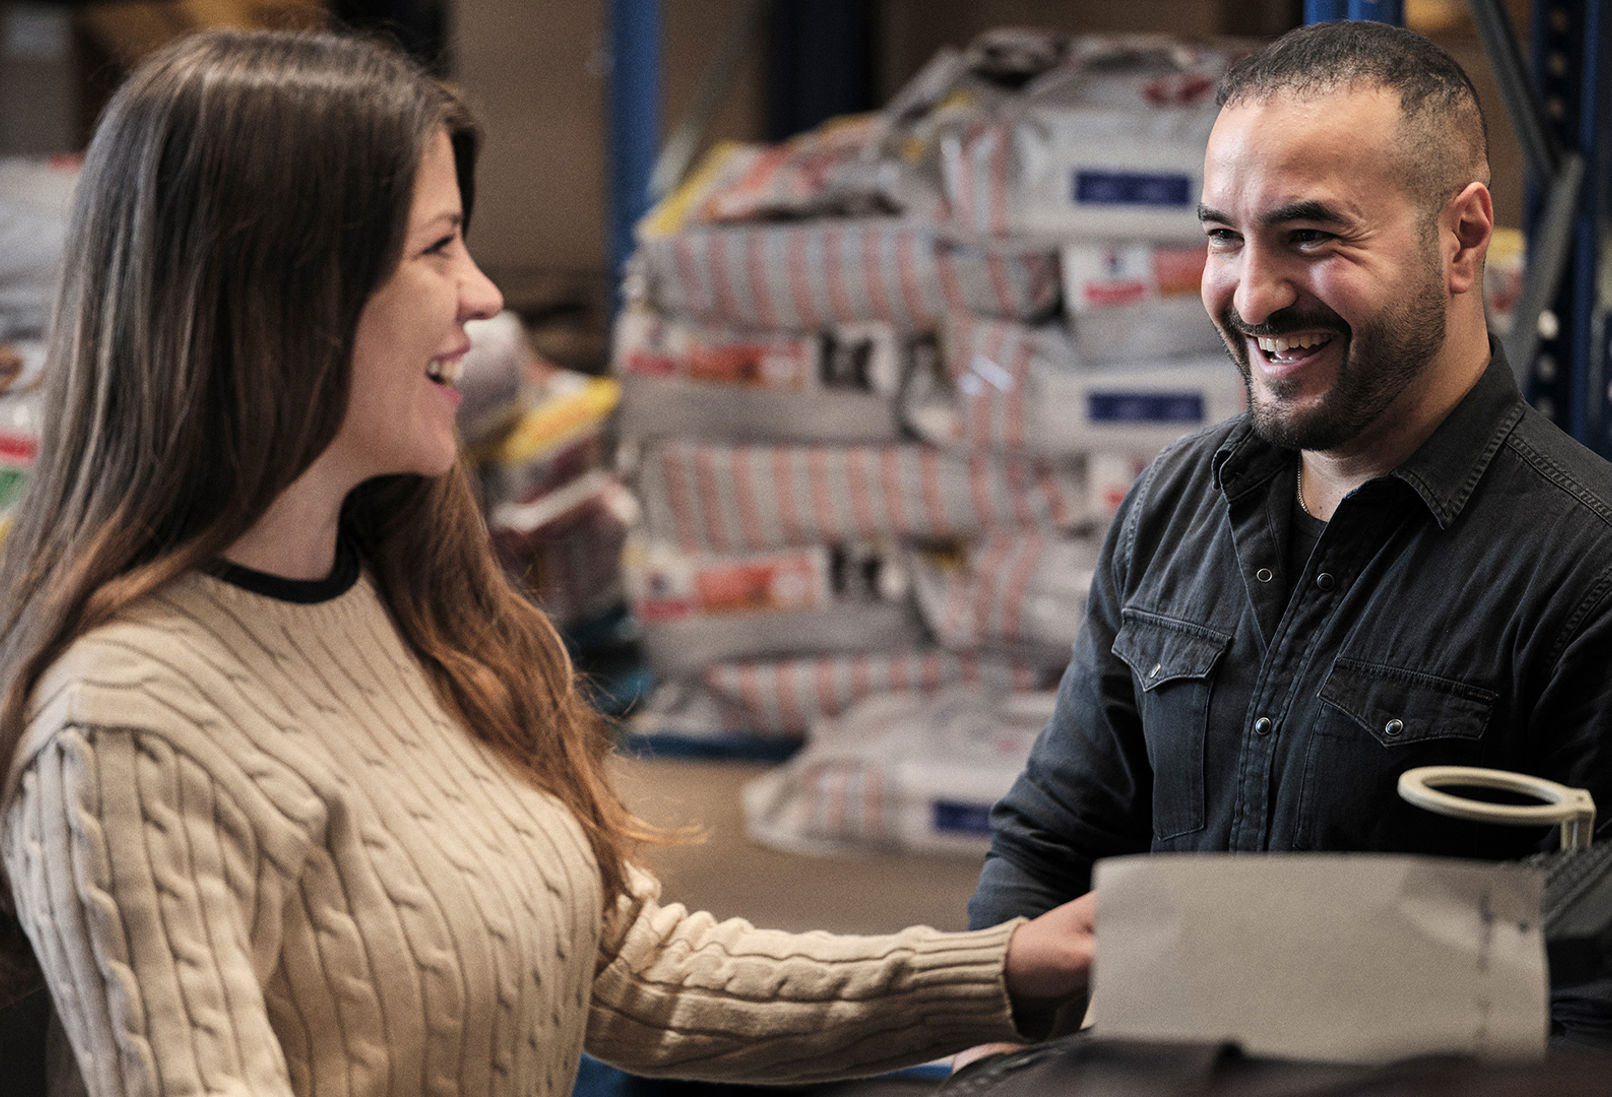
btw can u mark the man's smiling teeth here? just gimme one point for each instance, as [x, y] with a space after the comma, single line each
[445, 371]
[1280, 345]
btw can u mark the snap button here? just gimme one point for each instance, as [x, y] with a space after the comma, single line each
[1264, 575]
[1154, 673]
[1325, 581]
[1264, 725]
[1394, 727]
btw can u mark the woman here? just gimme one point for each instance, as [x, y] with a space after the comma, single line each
[301, 795]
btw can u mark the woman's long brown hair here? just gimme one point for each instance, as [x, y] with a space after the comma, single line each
[244, 195]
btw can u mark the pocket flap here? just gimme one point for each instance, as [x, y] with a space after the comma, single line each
[1402, 706]
[1160, 650]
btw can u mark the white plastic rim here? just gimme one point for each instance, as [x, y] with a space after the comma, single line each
[1572, 807]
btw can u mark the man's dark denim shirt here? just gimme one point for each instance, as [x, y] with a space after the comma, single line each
[1456, 611]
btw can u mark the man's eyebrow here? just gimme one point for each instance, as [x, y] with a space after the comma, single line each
[1306, 210]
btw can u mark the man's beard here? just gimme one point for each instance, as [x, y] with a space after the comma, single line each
[1380, 360]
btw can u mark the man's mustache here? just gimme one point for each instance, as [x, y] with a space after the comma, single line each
[1284, 321]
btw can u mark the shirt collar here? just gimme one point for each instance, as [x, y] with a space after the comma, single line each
[1446, 468]
[1442, 472]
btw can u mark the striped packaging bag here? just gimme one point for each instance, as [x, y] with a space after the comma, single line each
[810, 275]
[1015, 594]
[784, 697]
[712, 381]
[1136, 300]
[899, 773]
[565, 546]
[727, 498]
[1107, 144]
[699, 608]
[1013, 388]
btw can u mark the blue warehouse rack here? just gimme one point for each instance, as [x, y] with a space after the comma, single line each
[1569, 366]
[1325, 11]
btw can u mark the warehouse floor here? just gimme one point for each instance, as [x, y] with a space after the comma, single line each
[731, 876]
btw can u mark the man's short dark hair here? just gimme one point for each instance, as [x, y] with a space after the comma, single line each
[1442, 134]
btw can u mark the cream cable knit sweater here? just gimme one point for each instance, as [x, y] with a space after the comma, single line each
[256, 858]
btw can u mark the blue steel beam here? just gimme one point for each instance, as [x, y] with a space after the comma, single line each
[1556, 178]
[1572, 57]
[634, 34]
[1327, 11]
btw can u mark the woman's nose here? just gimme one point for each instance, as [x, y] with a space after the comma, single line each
[479, 298]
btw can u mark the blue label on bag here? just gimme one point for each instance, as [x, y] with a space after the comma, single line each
[1132, 188]
[1145, 407]
[954, 817]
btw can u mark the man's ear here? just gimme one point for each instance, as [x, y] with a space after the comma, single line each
[1466, 225]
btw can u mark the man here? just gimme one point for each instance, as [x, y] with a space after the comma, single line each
[1387, 561]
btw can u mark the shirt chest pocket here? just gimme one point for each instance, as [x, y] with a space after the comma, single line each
[1374, 722]
[1399, 708]
[1172, 664]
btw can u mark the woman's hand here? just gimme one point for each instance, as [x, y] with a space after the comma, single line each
[1049, 959]
[1048, 972]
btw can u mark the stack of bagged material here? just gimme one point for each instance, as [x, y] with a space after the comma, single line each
[771, 577]
[19, 433]
[35, 196]
[899, 772]
[34, 199]
[872, 451]
[556, 510]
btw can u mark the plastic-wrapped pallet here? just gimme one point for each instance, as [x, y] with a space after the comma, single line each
[1105, 142]
[35, 196]
[1136, 301]
[853, 338]
[556, 511]
[1012, 595]
[723, 498]
[557, 438]
[704, 380]
[753, 647]
[1503, 272]
[810, 275]
[785, 697]
[699, 608]
[566, 545]
[21, 369]
[768, 705]
[1026, 136]
[899, 773]
[500, 377]
[19, 444]
[1016, 389]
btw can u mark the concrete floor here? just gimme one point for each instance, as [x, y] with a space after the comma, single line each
[731, 876]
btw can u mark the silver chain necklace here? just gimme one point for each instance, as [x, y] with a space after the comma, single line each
[1300, 480]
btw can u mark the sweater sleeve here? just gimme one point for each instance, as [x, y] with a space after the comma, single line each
[684, 995]
[138, 882]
